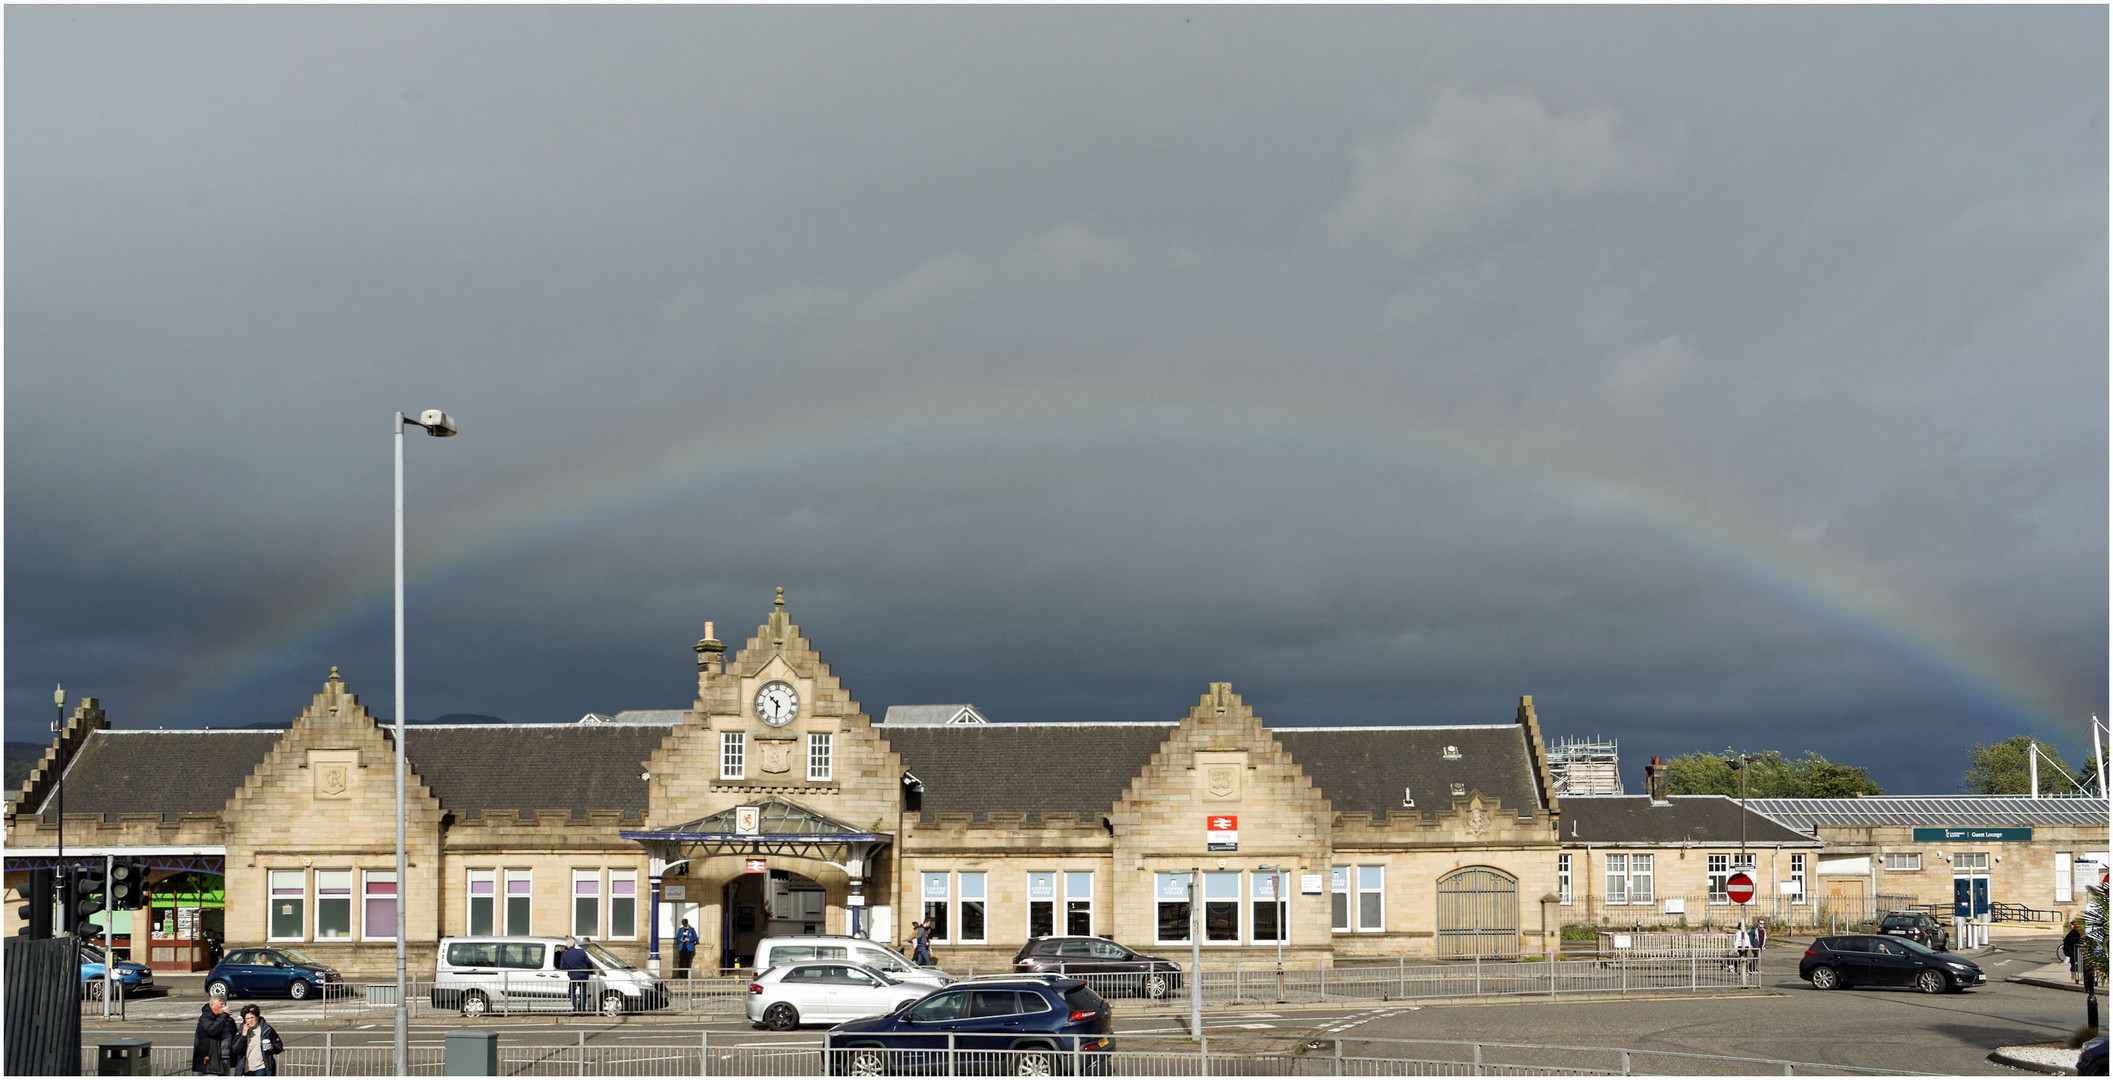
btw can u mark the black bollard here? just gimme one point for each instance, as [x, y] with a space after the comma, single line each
[2090, 995]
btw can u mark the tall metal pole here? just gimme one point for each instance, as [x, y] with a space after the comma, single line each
[1196, 953]
[403, 1005]
[109, 917]
[58, 728]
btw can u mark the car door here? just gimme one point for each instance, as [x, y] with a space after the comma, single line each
[922, 1041]
[803, 987]
[240, 970]
[1890, 963]
[274, 973]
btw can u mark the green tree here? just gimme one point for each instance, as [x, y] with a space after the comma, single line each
[1769, 775]
[2003, 769]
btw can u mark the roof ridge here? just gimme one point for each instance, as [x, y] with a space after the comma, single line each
[1396, 727]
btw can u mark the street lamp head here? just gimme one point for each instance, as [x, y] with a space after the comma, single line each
[58, 695]
[437, 423]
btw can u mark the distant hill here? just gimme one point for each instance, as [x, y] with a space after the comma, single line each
[22, 758]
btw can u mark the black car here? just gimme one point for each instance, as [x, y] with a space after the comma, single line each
[1109, 967]
[1867, 960]
[2091, 1060]
[1032, 1026]
[1916, 926]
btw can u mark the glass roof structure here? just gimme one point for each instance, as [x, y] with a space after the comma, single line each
[1933, 810]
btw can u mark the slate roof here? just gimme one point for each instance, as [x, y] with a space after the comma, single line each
[930, 715]
[529, 767]
[1935, 810]
[1701, 819]
[1364, 769]
[174, 772]
[669, 717]
[1031, 768]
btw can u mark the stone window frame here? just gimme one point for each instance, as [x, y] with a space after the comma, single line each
[1908, 861]
[1340, 918]
[941, 935]
[336, 894]
[1161, 880]
[1379, 891]
[275, 894]
[821, 761]
[624, 875]
[1071, 897]
[1238, 900]
[1720, 865]
[1643, 878]
[1797, 874]
[1279, 907]
[526, 875]
[1616, 865]
[962, 900]
[369, 896]
[588, 876]
[1563, 889]
[1052, 901]
[472, 877]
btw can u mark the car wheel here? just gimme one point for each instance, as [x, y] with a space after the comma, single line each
[612, 1004]
[298, 989]
[1038, 1061]
[1932, 981]
[868, 1062]
[217, 988]
[1155, 985]
[475, 1004]
[781, 1017]
[1826, 978]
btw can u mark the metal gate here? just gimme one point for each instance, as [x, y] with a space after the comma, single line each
[1478, 914]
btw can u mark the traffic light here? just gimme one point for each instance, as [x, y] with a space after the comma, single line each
[83, 896]
[128, 884]
[36, 911]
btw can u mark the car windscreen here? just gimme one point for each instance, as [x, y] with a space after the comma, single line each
[1913, 946]
[606, 958]
[1896, 922]
[299, 957]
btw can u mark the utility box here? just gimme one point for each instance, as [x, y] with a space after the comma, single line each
[125, 1057]
[471, 1053]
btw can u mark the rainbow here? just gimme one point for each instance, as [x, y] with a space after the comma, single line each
[2007, 687]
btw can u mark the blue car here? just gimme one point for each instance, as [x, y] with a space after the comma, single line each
[275, 972]
[1035, 1025]
[131, 978]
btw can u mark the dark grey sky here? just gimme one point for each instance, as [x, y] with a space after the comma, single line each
[1726, 376]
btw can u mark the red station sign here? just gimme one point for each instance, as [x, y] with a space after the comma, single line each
[1739, 887]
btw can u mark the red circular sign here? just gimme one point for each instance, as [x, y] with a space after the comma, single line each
[1740, 888]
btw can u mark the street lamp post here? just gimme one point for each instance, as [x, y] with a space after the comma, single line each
[1276, 888]
[58, 730]
[442, 425]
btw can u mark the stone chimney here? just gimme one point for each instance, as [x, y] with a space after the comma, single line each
[1654, 780]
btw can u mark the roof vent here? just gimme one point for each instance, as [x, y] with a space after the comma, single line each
[1459, 788]
[1452, 753]
[1408, 798]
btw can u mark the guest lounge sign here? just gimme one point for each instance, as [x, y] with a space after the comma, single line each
[1965, 834]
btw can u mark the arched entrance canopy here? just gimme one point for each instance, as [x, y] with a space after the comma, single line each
[772, 826]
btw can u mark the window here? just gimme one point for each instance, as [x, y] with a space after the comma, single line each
[1267, 905]
[289, 904]
[935, 903]
[484, 888]
[1797, 877]
[818, 757]
[1617, 879]
[1973, 861]
[1339, 901]
[973, 928]
[1721, 865]
[733, 754]
[1172, 895]
[1903, 860]
[1371, 891]
[1041, 904]
[1640, 878]
[520, 897]
[586, 903]
[623, 903]
[380, 914]
[333, 904]
[1562, 878]
[1221, 907]
[1078, 902]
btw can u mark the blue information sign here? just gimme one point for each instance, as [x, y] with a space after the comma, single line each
[1968, 834]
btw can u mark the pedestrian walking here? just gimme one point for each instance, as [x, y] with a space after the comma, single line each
[257, 1044]
[685, 948]
[574, 963]
[213, 1041]
[923, 944]
[2073, 946]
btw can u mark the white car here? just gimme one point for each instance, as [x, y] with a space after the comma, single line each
[780, 951]
[825, 992]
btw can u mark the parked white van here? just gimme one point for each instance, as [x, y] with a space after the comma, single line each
[780, 951]
[520, 974]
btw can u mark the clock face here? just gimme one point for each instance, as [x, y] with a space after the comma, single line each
[777, 703]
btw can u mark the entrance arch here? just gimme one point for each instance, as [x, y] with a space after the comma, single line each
[1478, 913]
[781, 903]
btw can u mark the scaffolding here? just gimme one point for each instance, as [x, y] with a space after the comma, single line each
[1583, 766]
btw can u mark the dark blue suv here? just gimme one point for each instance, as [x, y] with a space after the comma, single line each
[1035, 1025]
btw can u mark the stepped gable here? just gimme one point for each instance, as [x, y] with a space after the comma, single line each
[334, 728]
[167, 772]
[87, 719]
[1364, 769]
[1701, 819]
[1218, 759]
[1031, 769]
[582, 768]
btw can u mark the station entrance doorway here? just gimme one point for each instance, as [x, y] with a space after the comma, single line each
[778, 903]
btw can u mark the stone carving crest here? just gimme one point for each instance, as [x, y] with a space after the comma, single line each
[777, 755]
[333, 780]
[1221, 781]
[1477, 820]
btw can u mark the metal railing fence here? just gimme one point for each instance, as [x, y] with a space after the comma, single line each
[1703, 911]
[1147, 1056]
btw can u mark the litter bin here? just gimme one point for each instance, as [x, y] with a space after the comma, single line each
[471, 1053]
[125, 1057]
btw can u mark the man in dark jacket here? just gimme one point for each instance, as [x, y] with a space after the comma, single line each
[213, 1043]
[574, 963]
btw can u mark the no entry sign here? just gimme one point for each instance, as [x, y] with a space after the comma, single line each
[1740, 888]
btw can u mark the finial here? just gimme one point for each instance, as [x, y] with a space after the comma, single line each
[333, 673]
[781, 596]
